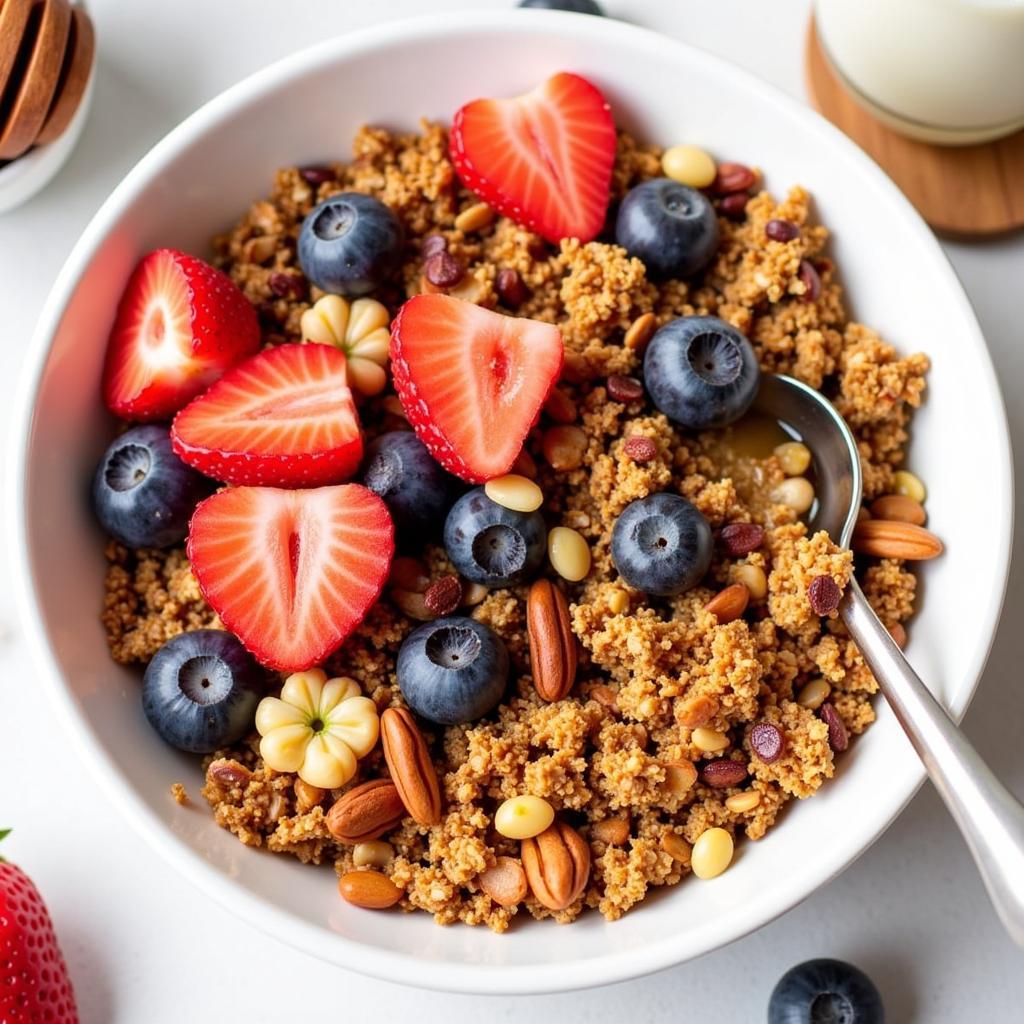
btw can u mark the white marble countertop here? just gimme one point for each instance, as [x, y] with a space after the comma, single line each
[144, 946]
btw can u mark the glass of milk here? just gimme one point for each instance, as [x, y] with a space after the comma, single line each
[947, 71]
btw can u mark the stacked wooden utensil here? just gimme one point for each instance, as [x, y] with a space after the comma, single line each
[47, 48]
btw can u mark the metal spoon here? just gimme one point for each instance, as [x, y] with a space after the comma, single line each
[988, 815]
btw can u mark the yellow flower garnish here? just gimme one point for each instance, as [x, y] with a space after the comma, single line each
[360, 330]
[318, 728]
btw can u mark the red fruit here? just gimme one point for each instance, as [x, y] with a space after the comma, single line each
[34, 983]
[284, 418]
[180, 324]
[472, 382]
[544, 159]
[291, 573]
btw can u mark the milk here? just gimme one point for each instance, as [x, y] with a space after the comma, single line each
[942, 70]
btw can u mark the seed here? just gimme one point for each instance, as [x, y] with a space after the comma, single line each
[511, 289]
[908, 485]
[731, 178]
[560, 407]
[734, 207]
[676, 847]
[444, 596]
[287, 286]
[794, 458]
[443, 270]
[697, 711]
[412, 604]
[640, 449]
[740, 803]
[723, 773]
[712, 853]
[729, 604]
[624, 389]
[640, 332]
[837, 738]
[618, 601]
[711, 741]
[432, 245]
[227, 772]
[767, 741]
[781, 230]
[369, 889]
[754, 579]
[796, 492]
[899, 508]
[824, 595]
[613, 831]
[680, 777]
[316, 175]
[899, 635]
[505, 882]
[812, 695]
[689, 165]
[811, 280]
[569, 553]
[306, 796]
[514, 492]
[523, 817]
[473, 594]
[474, 217]
[375, 853]
[564, 447]
[740, 539]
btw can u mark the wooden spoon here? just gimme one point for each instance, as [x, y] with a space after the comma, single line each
[13, 19]
[35, 92]
[73, 80]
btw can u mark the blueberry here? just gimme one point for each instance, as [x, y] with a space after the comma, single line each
[414, 487]
[491, 544]
[701, 372]
[825, 992]
[661, 545]
[142, 493]
[577, 6]
[201, 689]
[350, 244]
[671, 227]
[452, 670]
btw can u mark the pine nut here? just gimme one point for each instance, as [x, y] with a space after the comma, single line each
[753, 578]
[640, 332]
[710, 741]
[813, 694]
[796, 492]
[474, 217]
[712, 853]
[564, 447]
[618, 601]
[569, 553]
[372, 854]
[514, 492]
[523, 817]
[740, 803]
[689, 165]
[909, 485]
[794, 457]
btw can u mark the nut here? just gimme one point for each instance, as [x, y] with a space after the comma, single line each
[260, 248]
[557, 865]
[412, 604]
[680, 777]
[811, 281]
[306, 796]
[735, 206]
[739, 539]
[560, 407]
[886, 538]
[640, 332]
[504, 882]
[729, 604]
[366, 812]
[731, 178]
[605, 696]
[837, 737]
[697, 711]
[369, 889]
[779, 230]
[564, 447]
[474, 217]
[409, 574]
[676, 847]
[824, 595]
[552, 642]
[723, 773]
[625, 389]
[408, 760]
[640, 449]
[899, 508]
[768, 741]
[444, 596]
[443, 270]
[432, 245]
[227, 772]
[613, 831]
[511, 288]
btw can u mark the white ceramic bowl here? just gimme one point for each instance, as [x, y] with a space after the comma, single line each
[304, 109]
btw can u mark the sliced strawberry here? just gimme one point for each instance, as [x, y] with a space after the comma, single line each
[472, 382]
[544, 159]
[284, 418]
[180, 324]
[291, 573]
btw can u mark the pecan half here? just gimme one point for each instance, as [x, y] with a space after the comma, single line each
[366, 812]
[409, 762]
[552, 642]
[557, 865]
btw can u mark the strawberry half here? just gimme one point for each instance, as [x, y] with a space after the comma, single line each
[291, 573]
[544, 159]
[180, 324]
[471, 381]
[284, 418]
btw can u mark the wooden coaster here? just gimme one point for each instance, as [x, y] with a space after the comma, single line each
[32, 101]
[959, 190]
[13, 19]
[73, 79]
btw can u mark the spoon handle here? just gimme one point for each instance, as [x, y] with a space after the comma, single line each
[990, 818]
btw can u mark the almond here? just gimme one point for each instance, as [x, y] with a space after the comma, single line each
[899, 508]
[697, 711]
[366, 812]
[369, 889]
[552, 643]
[409, 762]
[505, 882]
[729, 604]
[886, 538]
[613, 831]
[557, 865]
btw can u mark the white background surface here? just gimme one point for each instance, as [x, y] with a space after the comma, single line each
[145, 948]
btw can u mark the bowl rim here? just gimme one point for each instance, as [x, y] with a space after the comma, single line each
[257, 910]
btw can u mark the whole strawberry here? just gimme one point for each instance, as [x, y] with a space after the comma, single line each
[34, 984]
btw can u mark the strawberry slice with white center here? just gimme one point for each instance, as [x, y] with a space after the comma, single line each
[291, 573]
[284, 418]
[544, 159]
[180, 324]
[472, 382]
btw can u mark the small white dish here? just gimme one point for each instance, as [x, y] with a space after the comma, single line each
[203, 176]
